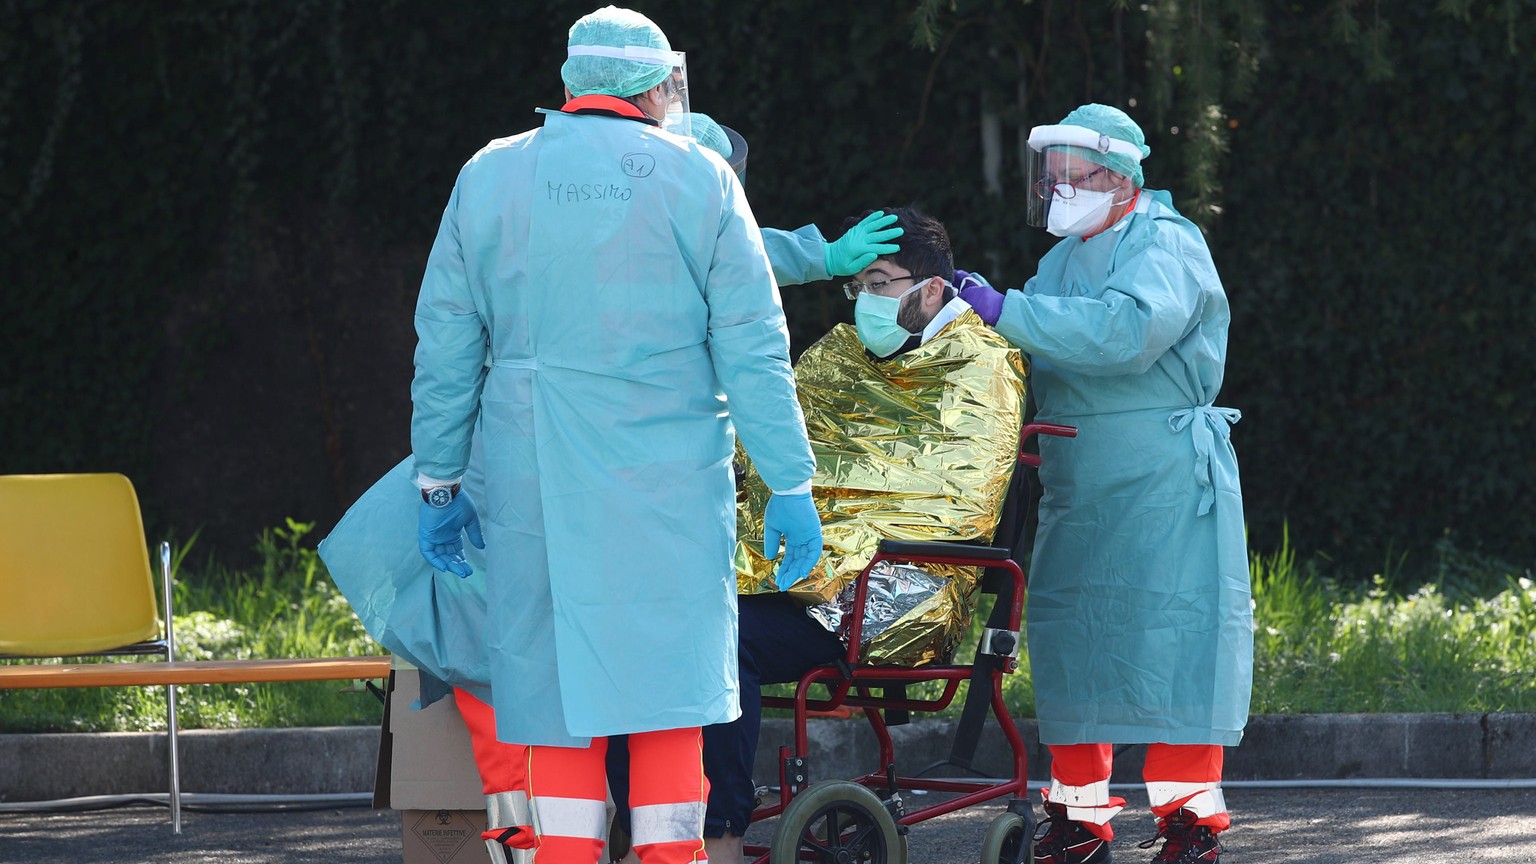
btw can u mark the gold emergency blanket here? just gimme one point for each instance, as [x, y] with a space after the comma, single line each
[920, 447]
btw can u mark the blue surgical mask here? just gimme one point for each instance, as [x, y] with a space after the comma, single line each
[874, 316]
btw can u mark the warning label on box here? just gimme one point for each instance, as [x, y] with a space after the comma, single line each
[444, 832]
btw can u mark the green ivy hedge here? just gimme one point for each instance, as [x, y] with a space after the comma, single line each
[216, 212]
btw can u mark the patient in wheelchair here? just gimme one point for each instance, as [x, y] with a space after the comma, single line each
[914, 416]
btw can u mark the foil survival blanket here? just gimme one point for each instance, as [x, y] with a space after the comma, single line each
[920, 447]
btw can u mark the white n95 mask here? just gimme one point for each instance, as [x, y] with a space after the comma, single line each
[1080, 214]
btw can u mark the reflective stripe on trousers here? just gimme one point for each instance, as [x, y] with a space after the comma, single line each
[1202, 799]
[1187, 777]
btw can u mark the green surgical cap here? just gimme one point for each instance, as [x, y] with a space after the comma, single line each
[709, 133]
[1118, 125]
[612, 27]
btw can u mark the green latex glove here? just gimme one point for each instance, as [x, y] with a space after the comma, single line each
[863, 243]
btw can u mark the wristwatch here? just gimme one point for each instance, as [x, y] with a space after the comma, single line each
[440, 496]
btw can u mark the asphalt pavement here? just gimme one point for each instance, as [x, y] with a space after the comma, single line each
[1317, 789]
[1274, 826]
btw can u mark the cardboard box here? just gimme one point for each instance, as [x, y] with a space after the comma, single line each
[427, 771]
[443, 837]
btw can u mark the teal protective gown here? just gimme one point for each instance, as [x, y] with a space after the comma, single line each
[797, 256]
[1139, 618]
[429, 619]
[600, 299]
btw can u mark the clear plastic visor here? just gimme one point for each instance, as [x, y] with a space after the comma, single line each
[678, 119]
[1058, 165]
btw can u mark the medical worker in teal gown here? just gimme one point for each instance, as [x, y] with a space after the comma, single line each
[438, 624]
[599, 318]
[1139, 620]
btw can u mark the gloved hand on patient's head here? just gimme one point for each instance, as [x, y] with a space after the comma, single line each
[441, 530]
[862, 244]
[792, 518]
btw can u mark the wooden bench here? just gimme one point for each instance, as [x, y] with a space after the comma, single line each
[76, 582]
[37, 676]
[34, 676]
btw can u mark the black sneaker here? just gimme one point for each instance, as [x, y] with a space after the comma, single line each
[1059, 840]
[1184, 842]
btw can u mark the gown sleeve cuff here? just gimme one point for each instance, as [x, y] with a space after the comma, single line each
[801, 489]
[425, 482]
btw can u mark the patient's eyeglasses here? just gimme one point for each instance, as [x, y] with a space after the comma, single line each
[852, 289]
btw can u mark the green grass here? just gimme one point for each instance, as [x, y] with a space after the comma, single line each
[1463, 641]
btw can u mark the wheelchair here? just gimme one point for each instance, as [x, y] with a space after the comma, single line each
[865, 819]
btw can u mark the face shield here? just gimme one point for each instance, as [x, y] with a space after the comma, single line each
[674, 83]
[677, 95]
[1060, 157]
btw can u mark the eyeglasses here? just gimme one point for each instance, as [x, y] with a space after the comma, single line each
[1067, 189]
[851, 290]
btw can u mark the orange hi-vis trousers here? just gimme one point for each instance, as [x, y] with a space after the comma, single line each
[504, 780]
[566, 791]
[1178, 776]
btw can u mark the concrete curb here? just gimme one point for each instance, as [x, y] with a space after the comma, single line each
[1275, 747]
[343, 759]
[46, 767]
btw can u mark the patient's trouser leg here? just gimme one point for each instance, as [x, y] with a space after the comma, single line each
[778, 643]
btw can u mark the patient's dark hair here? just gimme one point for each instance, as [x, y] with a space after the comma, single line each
[924, 244]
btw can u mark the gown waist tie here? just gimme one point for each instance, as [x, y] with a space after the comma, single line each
[1213, 420]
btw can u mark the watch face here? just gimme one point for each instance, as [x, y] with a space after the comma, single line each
[440, 497]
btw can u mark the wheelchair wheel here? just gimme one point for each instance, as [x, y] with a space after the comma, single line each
[1007, 841]
[837, 822]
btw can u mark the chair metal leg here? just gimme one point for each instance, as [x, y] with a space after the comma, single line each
[175, 763]
[174, 742]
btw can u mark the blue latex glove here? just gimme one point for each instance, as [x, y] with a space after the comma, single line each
[794, 518]
[863, 243]
[975, 290]
[439, 531]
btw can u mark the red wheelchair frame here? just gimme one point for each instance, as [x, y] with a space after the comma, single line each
[845, 820]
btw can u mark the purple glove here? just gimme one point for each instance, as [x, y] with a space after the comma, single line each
[975, 290]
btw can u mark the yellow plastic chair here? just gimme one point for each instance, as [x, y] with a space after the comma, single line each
[76, 578]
